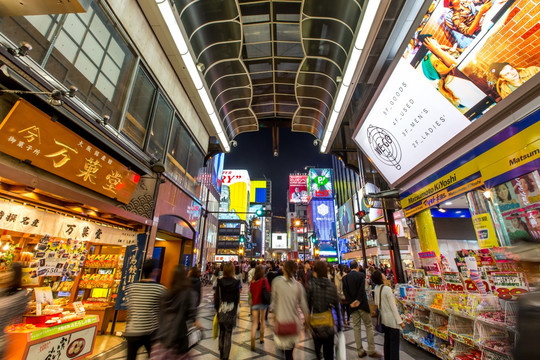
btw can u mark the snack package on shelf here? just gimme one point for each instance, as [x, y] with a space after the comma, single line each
[102, 261]
[95, 304]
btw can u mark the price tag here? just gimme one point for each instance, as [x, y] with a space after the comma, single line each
[418, 277]
[435, 282]
[453, 281]
[78, 307]
[509, 285]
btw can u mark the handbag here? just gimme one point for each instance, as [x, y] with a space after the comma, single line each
[322, 319]
[378, 325]
[266, 296]
[215, 327]
[286, 328]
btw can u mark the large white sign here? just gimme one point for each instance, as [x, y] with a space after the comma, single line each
[279, 241]
[64, 347]
[409, 121]
[230, 177]
[31, 220]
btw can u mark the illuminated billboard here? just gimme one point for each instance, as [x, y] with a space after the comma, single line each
[279, 241]
[463, 59]
[257, 194]
[346, 218]
[298, 188]
[217, 170]
[321, 213]
[238, 184]
[320, 183]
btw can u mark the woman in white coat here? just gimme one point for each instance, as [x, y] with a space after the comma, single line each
[390, 318]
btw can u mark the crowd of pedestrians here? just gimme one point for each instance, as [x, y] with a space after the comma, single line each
[314, 296]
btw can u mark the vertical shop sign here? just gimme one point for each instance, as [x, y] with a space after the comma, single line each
[130, 270]
[485, 231]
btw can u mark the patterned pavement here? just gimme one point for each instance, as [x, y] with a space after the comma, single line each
[207, 349]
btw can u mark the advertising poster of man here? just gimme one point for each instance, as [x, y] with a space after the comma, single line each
[298, 189]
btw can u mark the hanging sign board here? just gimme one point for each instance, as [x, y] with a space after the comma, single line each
[29, 134]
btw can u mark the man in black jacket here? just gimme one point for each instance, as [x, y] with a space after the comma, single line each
[354, 289]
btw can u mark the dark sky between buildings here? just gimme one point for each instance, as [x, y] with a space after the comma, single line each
[254, 153]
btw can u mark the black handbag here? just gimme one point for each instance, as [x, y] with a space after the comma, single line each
[266, 296]
[225, 318]
[377, 323]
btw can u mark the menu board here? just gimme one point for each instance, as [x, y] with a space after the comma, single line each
[58, 257]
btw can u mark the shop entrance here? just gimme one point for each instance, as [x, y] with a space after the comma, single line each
[167, 253]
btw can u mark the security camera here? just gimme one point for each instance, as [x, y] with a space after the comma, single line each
[276, 153]
[72, 90]
[24, 48]
[234, 143]
[106, 119]
[201, 67]
[316, 142]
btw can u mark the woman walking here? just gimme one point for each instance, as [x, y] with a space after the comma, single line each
[390, 318]
[322, 296]
[258, 288]
[195, 277]
[177, 309]
[344, 307]
[287, 295]
[226, 299]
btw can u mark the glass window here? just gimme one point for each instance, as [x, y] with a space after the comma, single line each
[195, 163]
[83, 50]
[140, 107]
[160, 128]
[178, 152]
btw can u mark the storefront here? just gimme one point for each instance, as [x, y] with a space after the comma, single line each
[63, 216]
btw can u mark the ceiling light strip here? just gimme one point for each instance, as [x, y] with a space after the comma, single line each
[168, 16]
[350, 69]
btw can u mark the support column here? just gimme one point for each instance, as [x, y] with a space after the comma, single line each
[426, 232]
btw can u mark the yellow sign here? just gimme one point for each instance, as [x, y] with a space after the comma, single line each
[485, 231]
[30, 135]
[491, 163]
[442, 196]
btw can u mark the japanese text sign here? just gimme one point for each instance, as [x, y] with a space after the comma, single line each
[29, 134]
[509, 285]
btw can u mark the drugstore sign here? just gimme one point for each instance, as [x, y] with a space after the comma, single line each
[492, 162]
[30, 135]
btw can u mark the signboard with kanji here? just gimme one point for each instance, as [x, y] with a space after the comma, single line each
[30, 135]
[130, 271]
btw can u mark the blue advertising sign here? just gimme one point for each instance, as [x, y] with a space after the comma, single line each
[131, 270]
[186, 260]
[321, 213]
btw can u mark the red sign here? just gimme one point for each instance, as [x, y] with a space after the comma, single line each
[298, 189]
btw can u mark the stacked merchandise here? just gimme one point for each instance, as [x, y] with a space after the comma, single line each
[458, 317]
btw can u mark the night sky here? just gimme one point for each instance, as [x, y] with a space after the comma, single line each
[254, 154]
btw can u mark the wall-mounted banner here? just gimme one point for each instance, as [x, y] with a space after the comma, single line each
[320, 184]
[298, 189]
[27, 133]
[30, 220]
[459, 64]
[322, 215]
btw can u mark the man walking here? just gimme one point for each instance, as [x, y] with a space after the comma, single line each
[354, 289]
[143, 298]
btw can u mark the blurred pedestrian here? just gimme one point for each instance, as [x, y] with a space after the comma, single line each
[226, 299]
[287, 296]
[143, 299]
[390, 318]
[305, 274]
[13, 300]
[195, 277]
[344, 306]
[354, 288]
[259, 304]
[178, 309]
[322, 297]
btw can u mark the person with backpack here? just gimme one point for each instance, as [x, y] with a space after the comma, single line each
[322, 297]
[390, 319]
[178, 309]
[260, 299]
[226, 300]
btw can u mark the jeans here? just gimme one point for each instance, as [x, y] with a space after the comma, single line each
[327, 345]
[224, 342]
[359, 316]
[391, 343]
[135, 342]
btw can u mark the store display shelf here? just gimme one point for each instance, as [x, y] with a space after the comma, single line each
[422, 326]
[507, 352]
[409, 338]
[461, 338]
[460, 314]
[428, 348]
[438, 311]
[496, 324]
[489, 354]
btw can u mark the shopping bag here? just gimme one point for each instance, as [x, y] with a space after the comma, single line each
[215, 327]
[341, 352]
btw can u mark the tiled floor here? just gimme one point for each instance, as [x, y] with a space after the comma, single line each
[208, 348]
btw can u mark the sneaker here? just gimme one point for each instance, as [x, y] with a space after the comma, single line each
[375, 355]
